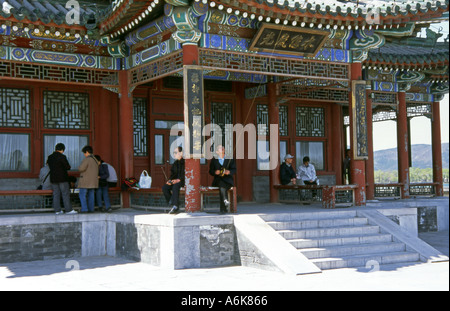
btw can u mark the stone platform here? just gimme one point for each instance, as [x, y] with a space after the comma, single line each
[200, 240]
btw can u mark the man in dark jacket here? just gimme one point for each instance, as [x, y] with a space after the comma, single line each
[223, 170]
[59, 178]
[172, 187]
[287, 172]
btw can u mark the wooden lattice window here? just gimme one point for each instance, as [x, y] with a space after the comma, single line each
[15, 108]
[66, 110]
[262, 119]
[140, 127]
[284, 121]
[310, 121]
[221, 115]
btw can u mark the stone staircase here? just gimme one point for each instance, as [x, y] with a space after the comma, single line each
[339, 239]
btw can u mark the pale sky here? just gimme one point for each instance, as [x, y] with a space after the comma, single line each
[385, 133]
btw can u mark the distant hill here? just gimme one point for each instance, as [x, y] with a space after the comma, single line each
[386, 160]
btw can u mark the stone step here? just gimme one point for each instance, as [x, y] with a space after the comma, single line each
[342, 240]
[309, 216]
[318, 223]
[339, 239]
[329, 232]
[362, 260]
[351, 250]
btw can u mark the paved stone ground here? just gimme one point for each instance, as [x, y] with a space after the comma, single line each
[107, 273]
[439, 240]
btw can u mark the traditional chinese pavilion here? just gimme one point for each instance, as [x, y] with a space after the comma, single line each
[120, 75]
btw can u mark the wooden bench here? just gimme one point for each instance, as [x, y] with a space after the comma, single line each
[324, 193]
[153, 198]
[299, 193]
[26, 201]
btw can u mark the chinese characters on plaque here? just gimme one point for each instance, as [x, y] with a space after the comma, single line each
[359, 111]
[288, 40]
[193, 110]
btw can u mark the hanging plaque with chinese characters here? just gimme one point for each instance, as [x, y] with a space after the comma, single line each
[288, 40]
[359, 116]
[193, 110]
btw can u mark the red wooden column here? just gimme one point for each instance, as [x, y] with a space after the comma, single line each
[192, 196]
[357, 167]
[370, 165]
[437, 149]
[125, 133]
[274, 118]
[336, 141]
[403, 145]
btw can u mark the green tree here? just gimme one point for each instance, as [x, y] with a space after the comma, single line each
[416, 175]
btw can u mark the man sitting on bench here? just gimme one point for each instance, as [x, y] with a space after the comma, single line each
[172, 187]
[223, 170]
[307, 173]
[287, 172]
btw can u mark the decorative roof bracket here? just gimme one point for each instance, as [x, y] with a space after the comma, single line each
[185, 18]
[363, 41]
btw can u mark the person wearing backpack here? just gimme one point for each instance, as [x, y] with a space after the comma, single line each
[44, 178]
[102, 191]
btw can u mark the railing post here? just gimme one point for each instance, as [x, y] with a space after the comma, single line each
[437, 150]
[403, 145]
[328, 197]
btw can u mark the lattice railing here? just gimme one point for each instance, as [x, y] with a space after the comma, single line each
[417, 110]
[153, 199]
[42, 200]
[384, 115]
[323, 95]
[344, 196]
[157, 69]
[278, 66]
[426, 189]
[300, 195]
[384, 98]
[315, 89]
[56, 73]
[244, 63]
[392, 190]
[387, 190]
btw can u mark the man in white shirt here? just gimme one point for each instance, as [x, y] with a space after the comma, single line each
[307, 173]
